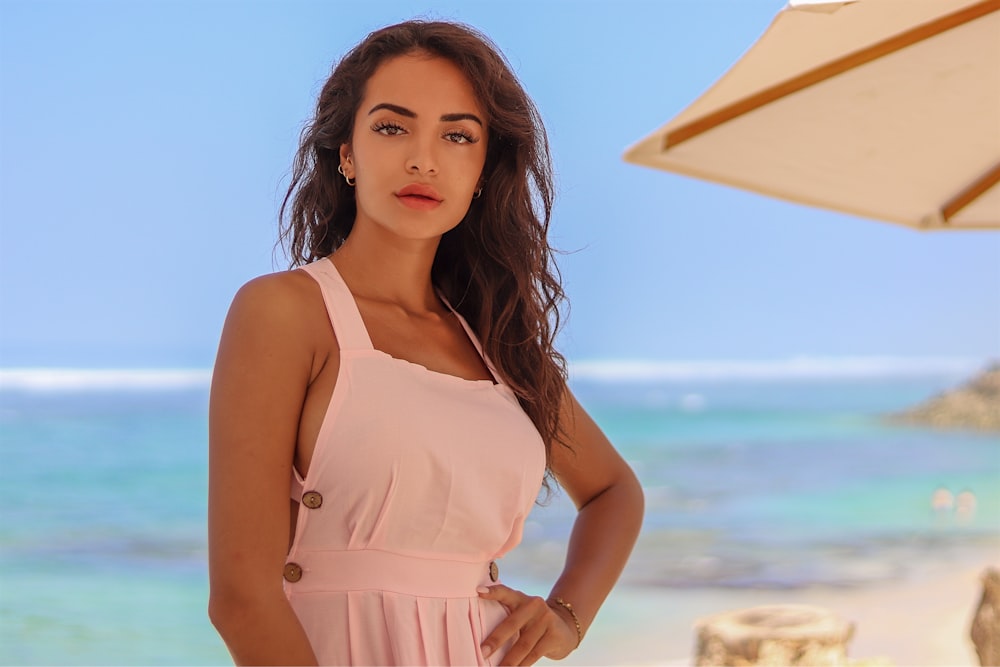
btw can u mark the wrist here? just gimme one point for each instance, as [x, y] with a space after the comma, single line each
[568, 614]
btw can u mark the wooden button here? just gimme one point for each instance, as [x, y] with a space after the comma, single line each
[312, 499]
[494, 571]
[293, 572]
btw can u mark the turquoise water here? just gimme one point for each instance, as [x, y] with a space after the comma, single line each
[763, 484]
[103, 529]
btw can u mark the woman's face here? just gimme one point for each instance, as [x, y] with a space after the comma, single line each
[418, 147]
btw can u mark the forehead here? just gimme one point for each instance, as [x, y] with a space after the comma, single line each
[425, 84]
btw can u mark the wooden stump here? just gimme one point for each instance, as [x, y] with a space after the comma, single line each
[773, 635]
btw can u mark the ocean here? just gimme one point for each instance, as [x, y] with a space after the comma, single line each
[762, 477]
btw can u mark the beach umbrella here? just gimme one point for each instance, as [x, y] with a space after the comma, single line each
[887, 109]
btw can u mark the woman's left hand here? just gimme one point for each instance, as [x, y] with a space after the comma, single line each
[540, 630]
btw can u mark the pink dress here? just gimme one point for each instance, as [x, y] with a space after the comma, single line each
[419, 482]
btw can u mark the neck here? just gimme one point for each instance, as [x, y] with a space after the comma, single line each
[385, 267]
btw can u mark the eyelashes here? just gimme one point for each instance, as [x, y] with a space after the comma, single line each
[390, 128]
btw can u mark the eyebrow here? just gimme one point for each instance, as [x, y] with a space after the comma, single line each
[447, 118]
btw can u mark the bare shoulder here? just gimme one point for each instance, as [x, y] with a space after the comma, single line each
[278, 318]
[280, 295]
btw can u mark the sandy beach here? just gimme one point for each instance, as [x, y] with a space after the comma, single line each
[923, 620]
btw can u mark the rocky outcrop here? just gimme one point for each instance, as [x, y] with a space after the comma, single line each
[985, 630]
[975, 405]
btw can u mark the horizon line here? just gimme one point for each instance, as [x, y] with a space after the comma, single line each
[49, 379]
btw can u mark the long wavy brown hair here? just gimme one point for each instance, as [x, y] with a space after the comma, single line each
[496, 267]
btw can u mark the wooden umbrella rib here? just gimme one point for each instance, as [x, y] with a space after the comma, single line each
[831, 69]
[971, 193]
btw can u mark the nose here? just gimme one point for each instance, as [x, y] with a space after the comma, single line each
[423, 158]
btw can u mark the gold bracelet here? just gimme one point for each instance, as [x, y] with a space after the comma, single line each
[568, 607]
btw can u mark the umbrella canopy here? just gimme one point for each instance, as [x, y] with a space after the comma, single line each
[888, 109]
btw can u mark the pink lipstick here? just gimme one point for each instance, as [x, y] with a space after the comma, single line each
[419, 196]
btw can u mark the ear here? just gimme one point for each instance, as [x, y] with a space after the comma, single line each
[347, 160]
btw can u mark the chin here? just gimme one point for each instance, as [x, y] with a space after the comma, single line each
[419, 226]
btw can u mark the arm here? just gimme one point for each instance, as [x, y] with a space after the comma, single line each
[609, 503]
[262, 371]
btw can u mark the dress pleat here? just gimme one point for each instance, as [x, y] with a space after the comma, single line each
[387, 614]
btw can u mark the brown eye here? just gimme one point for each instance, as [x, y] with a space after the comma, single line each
[460, 138]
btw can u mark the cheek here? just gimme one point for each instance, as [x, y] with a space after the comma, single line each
[471, 167]
[372, 171]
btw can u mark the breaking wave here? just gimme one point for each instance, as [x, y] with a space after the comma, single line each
[797, 368]
[74, 380]
[611, 370]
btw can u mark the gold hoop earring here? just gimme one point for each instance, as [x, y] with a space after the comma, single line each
[340, 170]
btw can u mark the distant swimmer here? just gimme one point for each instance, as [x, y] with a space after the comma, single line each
[942, 502]
[965, 506]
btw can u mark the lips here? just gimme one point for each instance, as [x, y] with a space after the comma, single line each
[419, 196]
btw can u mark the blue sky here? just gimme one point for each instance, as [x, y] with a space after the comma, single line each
[145, 147]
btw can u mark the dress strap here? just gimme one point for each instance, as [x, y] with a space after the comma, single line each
[474, 338]
[341, 306]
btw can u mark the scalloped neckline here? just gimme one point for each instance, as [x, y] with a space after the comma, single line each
[447, 376]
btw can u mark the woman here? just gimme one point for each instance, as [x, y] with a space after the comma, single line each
[420, 202]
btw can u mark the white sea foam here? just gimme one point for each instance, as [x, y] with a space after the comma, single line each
[75, 379]
[636, 370]
[796, 368]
